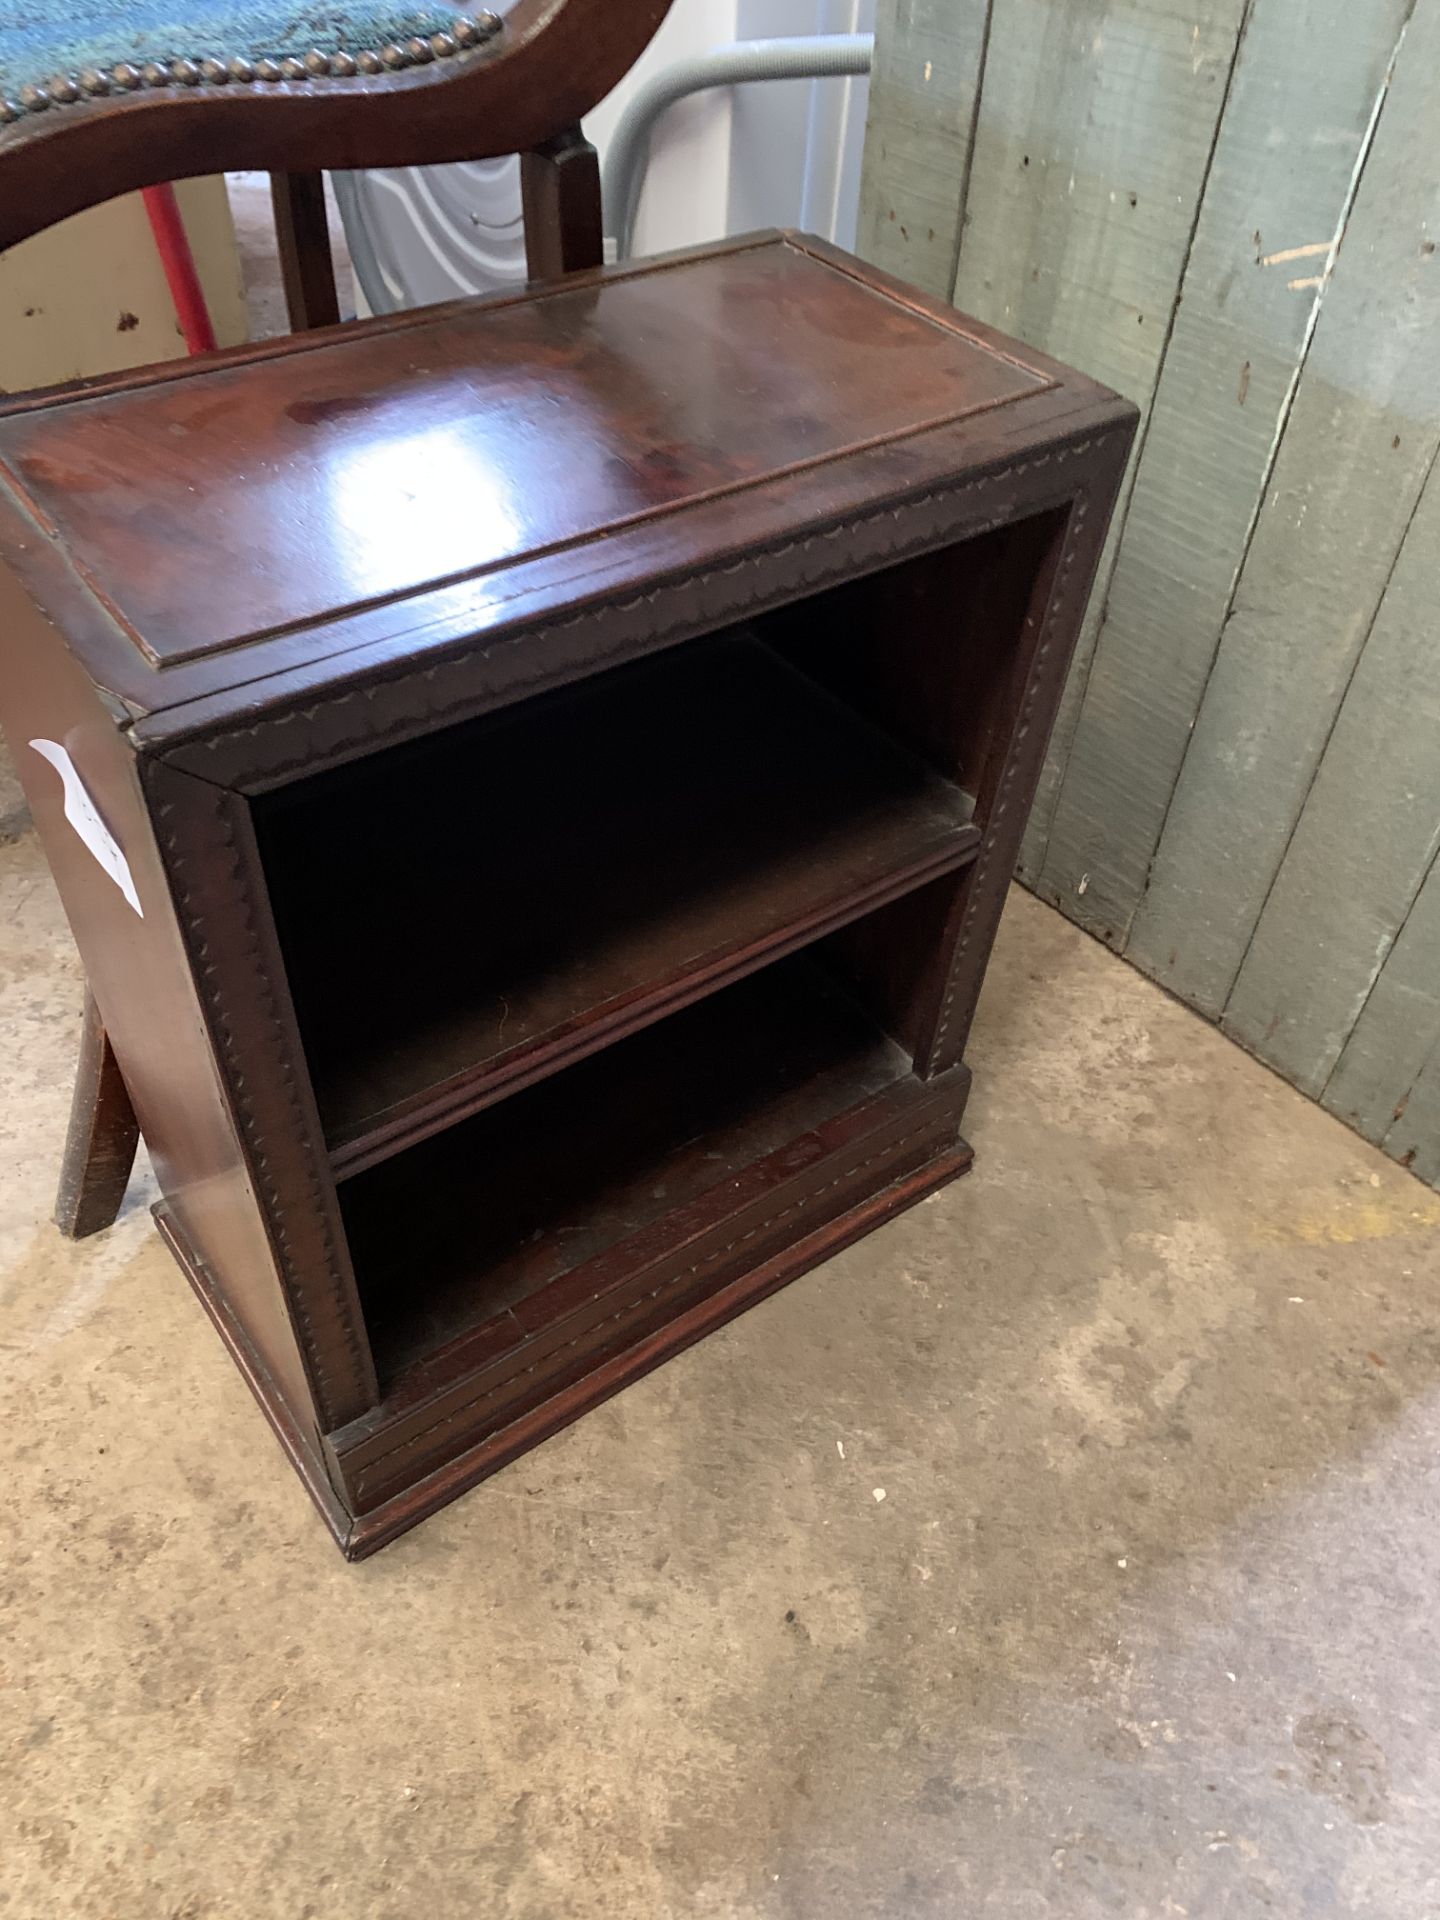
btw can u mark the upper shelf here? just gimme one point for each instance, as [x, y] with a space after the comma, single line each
[605, 855]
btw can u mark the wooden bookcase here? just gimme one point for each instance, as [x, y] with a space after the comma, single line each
[569, 753]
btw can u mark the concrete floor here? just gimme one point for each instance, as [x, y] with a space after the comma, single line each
[1071, 1547]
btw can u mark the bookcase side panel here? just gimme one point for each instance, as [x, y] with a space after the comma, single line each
[140, 975]
[208, 845]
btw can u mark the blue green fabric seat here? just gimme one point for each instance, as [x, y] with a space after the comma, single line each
[42, 40]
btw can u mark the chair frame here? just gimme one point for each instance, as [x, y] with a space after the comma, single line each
[549, 63]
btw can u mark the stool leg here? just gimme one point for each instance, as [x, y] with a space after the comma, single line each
[560, 193]
[103, 1136]
[302, 237]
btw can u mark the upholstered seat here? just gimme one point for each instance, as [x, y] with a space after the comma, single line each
[54, 54]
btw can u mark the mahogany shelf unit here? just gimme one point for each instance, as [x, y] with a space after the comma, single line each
[554, 765]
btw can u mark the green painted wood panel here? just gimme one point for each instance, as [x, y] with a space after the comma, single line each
[1398, 1030]
[924, 88]
[1365, 840]
[1243, 794]
[1360, 439]
[1096, 126]
[1301, 105]
[1415, 1136]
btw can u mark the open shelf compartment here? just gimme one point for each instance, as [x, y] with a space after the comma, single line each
[504, 1263]
[602, 856]
[487, 1220]
[670, 1036]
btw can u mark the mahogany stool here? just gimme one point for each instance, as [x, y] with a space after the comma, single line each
[534, 783]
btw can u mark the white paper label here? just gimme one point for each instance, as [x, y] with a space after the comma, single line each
[81, 812]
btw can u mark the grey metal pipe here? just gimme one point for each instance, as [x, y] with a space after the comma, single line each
[815, 57]
[373, 284]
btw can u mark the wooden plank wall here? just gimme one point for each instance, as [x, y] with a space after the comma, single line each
[1228, 210]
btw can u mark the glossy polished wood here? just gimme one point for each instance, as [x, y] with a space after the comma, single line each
[456, 449]
[176, 690]
[285, 641]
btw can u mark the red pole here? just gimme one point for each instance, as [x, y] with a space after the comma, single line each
[172, 243]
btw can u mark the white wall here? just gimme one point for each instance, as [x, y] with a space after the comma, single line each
[686, 194]
[772, 154]
[775, 154]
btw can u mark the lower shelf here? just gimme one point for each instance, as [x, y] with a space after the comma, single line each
[483, 1228]
[522, 1267]
[362, 1524]
[525, 1264]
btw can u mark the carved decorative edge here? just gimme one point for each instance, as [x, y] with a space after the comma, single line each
[984, 891]
[316, 1281]
[467, 679]
[470, 33]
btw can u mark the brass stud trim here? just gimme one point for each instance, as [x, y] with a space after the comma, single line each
[470, 30]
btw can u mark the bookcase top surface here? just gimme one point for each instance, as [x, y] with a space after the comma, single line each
[377, 491]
